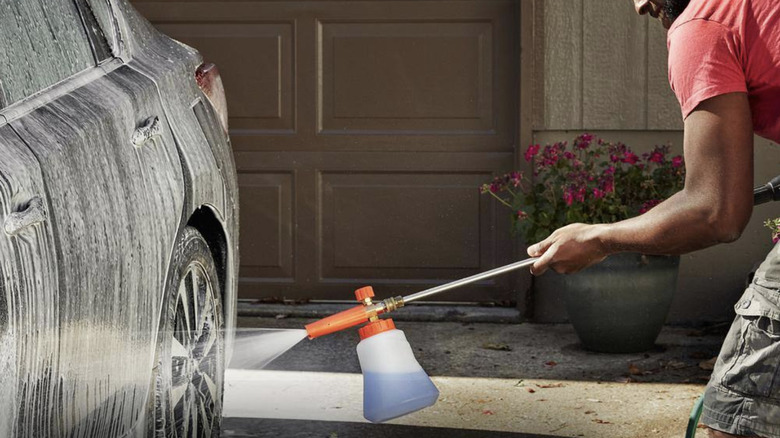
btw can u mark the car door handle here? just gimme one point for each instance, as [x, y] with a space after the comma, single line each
[148, 130]
[34, 213]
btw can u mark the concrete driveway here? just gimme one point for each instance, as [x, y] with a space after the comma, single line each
[496, 380]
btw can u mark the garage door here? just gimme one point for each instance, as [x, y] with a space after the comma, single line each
[361, 131]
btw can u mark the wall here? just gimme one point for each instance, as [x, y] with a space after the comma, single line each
[598, 67]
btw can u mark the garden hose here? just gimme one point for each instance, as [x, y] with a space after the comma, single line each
[693, 420]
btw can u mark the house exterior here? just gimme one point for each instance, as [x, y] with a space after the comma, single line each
[362, 129]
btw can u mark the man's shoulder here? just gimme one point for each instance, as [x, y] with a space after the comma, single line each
[710, 13]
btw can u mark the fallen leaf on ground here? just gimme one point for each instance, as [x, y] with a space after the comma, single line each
[634, 370]
[531, 390]
[708, 365]
[624, 379]
[486, 412]
[281, 316]
[551, 385]
[497, 347]
[558, 428]
[551, 363]
[600, 421]
[594, 400]
[519, 383]
[589, 412]
[675, 365]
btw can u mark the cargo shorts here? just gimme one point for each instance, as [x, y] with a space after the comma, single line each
[743, 394]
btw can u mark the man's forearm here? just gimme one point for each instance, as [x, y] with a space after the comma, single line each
[682, 224]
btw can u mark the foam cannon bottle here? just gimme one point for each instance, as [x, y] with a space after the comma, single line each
[394, 383]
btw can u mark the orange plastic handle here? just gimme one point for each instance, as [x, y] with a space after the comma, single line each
[340, 321]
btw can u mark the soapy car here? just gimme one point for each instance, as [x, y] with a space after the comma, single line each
[118, 226]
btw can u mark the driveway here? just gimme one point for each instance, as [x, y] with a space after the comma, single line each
[496, 380]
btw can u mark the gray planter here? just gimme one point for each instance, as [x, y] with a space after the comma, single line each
[619, 305]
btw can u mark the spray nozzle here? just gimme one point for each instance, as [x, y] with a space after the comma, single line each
[367, 311]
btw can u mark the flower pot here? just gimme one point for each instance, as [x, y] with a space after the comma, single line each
[619, 305]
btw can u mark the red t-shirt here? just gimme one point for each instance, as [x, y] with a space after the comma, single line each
[726, 46]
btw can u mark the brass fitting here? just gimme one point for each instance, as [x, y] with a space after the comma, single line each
[392, 304]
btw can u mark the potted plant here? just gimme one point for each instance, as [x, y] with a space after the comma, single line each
[620, 304]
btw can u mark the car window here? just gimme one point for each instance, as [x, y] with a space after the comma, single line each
[41, 43]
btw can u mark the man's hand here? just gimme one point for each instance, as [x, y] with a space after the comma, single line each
[568, 250]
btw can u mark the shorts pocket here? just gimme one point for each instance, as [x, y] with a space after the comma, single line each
[751, 363]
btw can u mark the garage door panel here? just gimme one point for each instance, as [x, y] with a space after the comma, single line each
[267, 232]
[256, 61]
[384, 78]
[391, 225]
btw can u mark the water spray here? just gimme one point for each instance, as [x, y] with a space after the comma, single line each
[394, 383]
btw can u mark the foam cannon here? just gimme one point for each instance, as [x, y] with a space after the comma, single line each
[394, 383]
[369, 310]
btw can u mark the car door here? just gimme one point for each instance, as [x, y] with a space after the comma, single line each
[29, 315]
[114, 183]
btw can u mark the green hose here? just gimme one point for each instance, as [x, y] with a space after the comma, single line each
[693, 420]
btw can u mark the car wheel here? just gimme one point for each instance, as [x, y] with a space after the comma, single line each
[190, 360]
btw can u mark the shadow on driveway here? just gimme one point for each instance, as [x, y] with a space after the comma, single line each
[249, 427]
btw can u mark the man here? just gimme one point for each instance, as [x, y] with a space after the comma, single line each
[724, 67]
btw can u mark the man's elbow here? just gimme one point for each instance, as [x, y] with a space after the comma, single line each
[728, 234]
[727, 227]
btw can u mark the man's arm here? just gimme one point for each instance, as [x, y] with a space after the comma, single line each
[714, 207]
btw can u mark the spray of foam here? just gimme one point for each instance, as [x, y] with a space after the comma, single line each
[256, 348]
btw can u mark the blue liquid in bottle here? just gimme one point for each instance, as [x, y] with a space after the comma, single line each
[387, 396]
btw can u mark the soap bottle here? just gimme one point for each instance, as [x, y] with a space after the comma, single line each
[394, 384]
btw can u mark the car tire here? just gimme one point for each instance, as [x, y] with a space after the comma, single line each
[190, 361]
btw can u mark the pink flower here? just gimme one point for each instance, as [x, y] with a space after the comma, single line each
[521, 215]
[568, 155]
[598, 193]
[552, 154]
[568, 196]
[610, 170]
[515, 178]
[531, 152]
[583, 141]
[630, 158]
[677, 161]
[580, 196]
[656, 157]
[608, 185]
